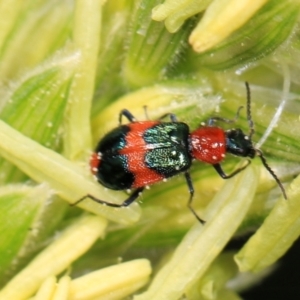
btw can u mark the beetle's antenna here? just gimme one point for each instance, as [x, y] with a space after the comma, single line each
[259, 152]
[264, 162]
[249, 117]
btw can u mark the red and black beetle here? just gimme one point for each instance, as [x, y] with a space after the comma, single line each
[141, 153]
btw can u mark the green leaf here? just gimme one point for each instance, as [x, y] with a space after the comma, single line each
[109, 80]
[19, 208]
[32, 32]
[36, 107]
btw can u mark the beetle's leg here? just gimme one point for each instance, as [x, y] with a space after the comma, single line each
[127, 114]
[220, 171]
[127, 202]
[191, 190]
[172, 117]
[213, 120]
[146, 112]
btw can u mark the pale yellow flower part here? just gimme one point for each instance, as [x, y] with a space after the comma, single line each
[176, 12]
[222, 18]
[52, 290]
[86, 32]
[277, 234]
[202, 244]
[215, 278]
[169, 7]
[62, 291]
[46, 289]
[70, 245]
[115, 282]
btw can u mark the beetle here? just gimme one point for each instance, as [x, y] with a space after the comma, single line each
[141, 153]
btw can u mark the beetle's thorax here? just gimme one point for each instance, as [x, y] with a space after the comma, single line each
[208, 144]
